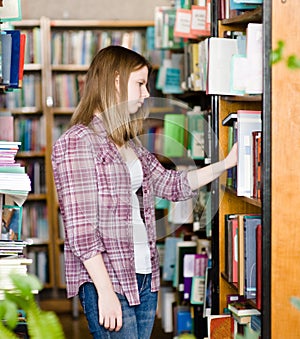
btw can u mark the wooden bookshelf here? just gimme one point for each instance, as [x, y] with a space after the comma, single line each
[279, 204]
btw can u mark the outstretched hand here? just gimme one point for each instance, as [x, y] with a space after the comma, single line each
[231, 159]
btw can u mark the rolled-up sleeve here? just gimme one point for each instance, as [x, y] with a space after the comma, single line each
[76, 183]
[172, 185]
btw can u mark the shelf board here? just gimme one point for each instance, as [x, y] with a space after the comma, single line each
[32, 67]
[99, 24]
[242, 98]
[36, 197]
[251, 201]
[70, 68]
[26, 110]
[248, 16]
[31, 154]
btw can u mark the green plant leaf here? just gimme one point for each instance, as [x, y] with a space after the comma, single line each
[295, 302]
[277, 54]
[293, 62]
[6, 333]
[26, 284]
[9, 313]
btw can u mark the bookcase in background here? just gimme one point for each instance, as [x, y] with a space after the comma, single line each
[27, 105]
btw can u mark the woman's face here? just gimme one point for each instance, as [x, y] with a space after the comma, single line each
[137, 90]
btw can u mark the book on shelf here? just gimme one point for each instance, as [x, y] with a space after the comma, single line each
[174, 135]
[11, 222]
[248, 121]
[220, 326]
[251, 222]
[183, 24]
[259, 266]
[200, 19]
[182, 248]
[6, 51]
[10, 10]
[6, 127]
[231, 248]
[220, 55]
[243, 308]
[15, 58]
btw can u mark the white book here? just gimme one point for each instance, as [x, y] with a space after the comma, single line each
[221, 52]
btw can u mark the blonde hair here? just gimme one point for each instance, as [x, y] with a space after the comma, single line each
[100, 94]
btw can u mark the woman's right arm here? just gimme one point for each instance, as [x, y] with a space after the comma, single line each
[110, 312]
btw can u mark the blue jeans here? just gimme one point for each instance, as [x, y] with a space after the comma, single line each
[137, 320]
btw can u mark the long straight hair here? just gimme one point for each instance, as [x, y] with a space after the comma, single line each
[100, 94]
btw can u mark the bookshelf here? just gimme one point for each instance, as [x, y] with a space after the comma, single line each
[278, 206]
[26, 105]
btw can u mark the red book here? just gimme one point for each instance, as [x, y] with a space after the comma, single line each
[22, 58]
[258, 265]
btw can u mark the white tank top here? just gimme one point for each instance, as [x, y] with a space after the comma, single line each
[140, 238]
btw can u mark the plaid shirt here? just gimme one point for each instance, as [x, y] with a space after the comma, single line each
[93, 187]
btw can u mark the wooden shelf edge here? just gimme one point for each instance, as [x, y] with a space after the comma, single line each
[254, 15]
[105, 23]
[251, 201]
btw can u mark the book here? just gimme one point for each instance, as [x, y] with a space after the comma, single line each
[22, 59]
[259, 266]
[182, 248]
[196, 133]
[220, 326]
[15, 58]
[6, 127]
[174, 135]
[243, 308]
[229, 119]
[6, 51]
[200, 19]
[250, 224]
[169, 258]
[11, 10]
[247, 122]
[220, 55]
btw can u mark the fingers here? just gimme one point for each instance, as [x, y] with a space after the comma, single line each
[113, 323]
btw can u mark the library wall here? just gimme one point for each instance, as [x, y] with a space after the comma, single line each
[91, 9]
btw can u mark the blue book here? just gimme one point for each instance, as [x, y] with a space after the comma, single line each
[250, 224]
[15, 58]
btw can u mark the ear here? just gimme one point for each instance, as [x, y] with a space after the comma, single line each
[117, 82]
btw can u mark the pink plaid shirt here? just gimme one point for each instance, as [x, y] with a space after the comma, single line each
[93, 187]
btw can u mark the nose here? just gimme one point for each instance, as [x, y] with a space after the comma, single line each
[145, 92]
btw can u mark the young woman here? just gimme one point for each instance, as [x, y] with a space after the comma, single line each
[99, 166]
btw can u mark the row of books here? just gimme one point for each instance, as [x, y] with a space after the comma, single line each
[181, 135]
[232, 8]
[12, 47]
[28, 96]
[239, 60]
[31, 133]
[243, 254]
[35, 224]
[79, 47]
[245, 127]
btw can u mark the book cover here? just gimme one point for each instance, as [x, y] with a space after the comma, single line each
[228, 249]
[170, 258]
[247, 122]
[196, 133]
[7, 127]
[221, 51]
[243, 308]
[199, 20]
[258, 266]
[11, 10]
[6, 42]
[250, 224]
[22, 58]
[174, 135]
[183, 23]
[220, 326]
[241, 251]
[15, 58]
[182, 248]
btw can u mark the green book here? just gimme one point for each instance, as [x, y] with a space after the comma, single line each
[174, 135]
